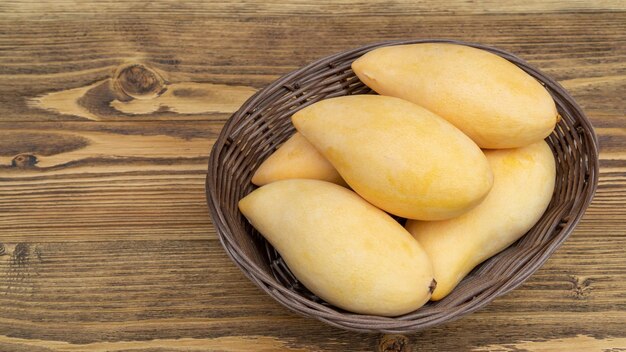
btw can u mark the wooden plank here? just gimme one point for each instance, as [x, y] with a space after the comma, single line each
[584, 50]
[240, 8]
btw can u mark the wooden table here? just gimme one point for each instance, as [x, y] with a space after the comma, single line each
[108, 110]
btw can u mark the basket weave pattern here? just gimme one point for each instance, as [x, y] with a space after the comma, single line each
[263, 123]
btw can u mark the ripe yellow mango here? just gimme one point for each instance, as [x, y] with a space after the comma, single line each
[490, 99]
[523, 186]
[398, 156]
[348, 252]
[296, 158]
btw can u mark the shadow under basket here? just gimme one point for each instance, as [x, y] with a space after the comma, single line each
[263, 123]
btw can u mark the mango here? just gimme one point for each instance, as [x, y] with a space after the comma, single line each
[523, 186]
[490, 99]
[398, 156]
[296, 158]
[342, 248]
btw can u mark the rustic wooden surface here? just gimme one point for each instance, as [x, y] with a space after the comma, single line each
[108, 110]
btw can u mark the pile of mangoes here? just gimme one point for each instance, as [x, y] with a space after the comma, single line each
[454, 143]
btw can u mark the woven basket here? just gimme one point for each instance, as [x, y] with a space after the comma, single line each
[263, 123]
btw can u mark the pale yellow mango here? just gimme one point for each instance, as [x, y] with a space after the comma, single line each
[398, 156]
[348, 252]
[296, 158]
[487, 97]
[523, 186]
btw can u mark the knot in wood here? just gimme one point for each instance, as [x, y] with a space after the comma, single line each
[24, 161]
[21, 254]
[139, 82]
[393, 343]
[581, 286]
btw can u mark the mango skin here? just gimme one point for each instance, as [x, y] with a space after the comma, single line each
[490, 99]
[523, 186]
[296, 158]
[398, 156]
[343, 249]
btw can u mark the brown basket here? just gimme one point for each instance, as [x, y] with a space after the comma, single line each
[263, 123]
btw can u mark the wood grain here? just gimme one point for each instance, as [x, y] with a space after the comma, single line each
[108, 111]
[135, 91]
